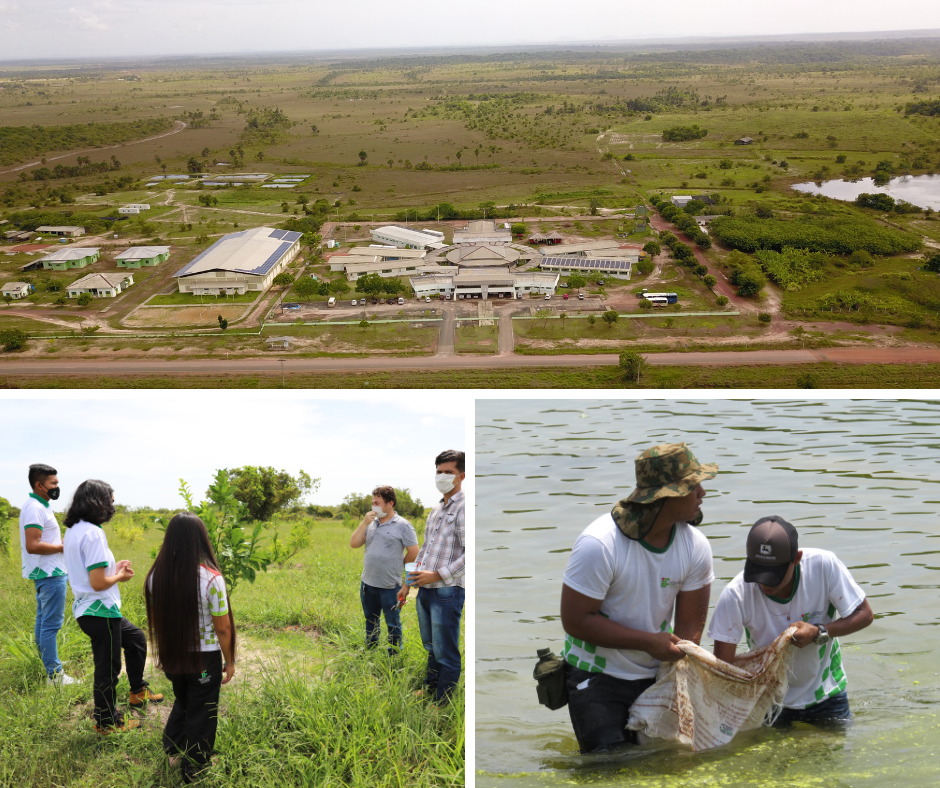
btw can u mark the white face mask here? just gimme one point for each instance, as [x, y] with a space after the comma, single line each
[444, 482]
[378, 511]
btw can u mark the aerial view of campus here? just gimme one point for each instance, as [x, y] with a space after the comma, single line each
[727, 213]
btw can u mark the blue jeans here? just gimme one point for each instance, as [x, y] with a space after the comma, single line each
[439, 611]
[50, 615]
[378, 601]
[832, 710]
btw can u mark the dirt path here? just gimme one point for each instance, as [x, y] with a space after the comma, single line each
[179, 126]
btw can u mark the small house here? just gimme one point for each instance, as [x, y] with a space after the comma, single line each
[73, 257]
[61, 231]
[279, 343]
[139, 256]
[108, 285]
[15, 290]
[744, 141]
[680, 200]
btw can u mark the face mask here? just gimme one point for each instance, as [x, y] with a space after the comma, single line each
[378, 511]
[444, 482]
[53, 493]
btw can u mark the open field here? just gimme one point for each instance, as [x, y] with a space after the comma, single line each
[307, 705]
[546, 138]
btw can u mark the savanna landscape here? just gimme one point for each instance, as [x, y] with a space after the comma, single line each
[591, 143]
[308, 705]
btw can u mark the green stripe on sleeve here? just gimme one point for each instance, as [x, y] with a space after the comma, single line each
[97, 566]
[32, 525]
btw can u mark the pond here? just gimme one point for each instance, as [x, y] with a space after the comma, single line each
[920, 190]
[860, 478]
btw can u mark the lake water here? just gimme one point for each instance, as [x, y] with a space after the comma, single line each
[860, 478]
[920, 190]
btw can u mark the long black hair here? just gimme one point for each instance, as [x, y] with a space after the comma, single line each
[171, 592]
[93, 502]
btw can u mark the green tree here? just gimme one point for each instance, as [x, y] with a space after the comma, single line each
[632, 364]
[223, 323]
[339, 287]
[240, 557]
[370, 284]
[518, 228]
[577, 281]
[933, 263]
[595, 204]
[710, 281]
[645, 303]
[265, 491]
[84, 299]
[306, 287]
[283, 279]
[610, 317]
[13, 339]
[7, 513]
[722, 300]
[362, 158]
[652, 248]
[194, 165]
[591, 320]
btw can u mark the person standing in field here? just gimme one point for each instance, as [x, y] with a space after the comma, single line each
[783, 586]
[631, 573]
[440, 579]
[44, 564]
[94, 576]
[390, 542]
[191, 623]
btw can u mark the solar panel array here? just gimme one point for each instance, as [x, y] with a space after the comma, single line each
[588, 263]
[276, 255]
[285, 235]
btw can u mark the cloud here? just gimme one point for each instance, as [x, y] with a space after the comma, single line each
[88, 20]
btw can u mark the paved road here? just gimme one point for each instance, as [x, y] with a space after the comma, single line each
[269, 365]
[445, 344]
[506, 343]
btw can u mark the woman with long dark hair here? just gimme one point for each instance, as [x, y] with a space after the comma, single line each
[94, 575]
[192, 626]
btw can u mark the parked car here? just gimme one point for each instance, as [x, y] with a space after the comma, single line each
[548, 296]
[565, 296]
[354, 302]
[400, 300]
[381, 300]
[427, 299]
[447, 297]
[375, 301]
[580, 296]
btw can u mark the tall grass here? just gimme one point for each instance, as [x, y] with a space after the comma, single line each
[309, 706]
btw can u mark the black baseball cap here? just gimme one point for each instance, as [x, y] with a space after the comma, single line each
[772, 544]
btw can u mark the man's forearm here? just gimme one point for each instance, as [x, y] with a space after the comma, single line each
[857, 620]
[44, 548]
[600, 631]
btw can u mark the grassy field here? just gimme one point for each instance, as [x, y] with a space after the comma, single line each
[308, 705]
[471, 338]
[186, 299]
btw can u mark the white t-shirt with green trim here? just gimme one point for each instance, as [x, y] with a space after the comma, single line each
[36, 513]
[823, 587]
[213, 601]
[86, 548]
[638, 585]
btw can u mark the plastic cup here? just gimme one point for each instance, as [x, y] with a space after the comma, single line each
[409, 569]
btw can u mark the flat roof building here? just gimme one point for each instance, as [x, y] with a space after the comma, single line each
[61, 231]
[108, 285]
[619, 267]
[406, 238]
[72, 257]
[138, 256]
[238, 262]
[484, 283]
[609, 247]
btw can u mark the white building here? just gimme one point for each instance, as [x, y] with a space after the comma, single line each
[61, 231]
[239, 262]
[15, 290]
[609, 248]
[482, 232]
[108, 285]
[484, 283]
[133, 209]
[406, 238]
[386, 261]
[680, 201]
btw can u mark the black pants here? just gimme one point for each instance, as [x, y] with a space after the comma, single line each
[190, 730]
[600, 710]
[108, 637]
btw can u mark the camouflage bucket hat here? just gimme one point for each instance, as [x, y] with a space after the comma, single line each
[668, 470]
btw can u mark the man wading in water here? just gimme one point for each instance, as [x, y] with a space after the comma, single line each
[780, 586]
[629, 571]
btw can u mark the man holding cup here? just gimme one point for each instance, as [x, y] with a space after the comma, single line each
[389, 542]
[439, 576]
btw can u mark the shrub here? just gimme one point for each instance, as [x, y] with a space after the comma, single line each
[933, 263]
[702, 241]
[645, 303]
[861, 258]
[632, 364]
[84, 299]
[722, 300]
[610, 316]
[764, 317]
[283, 279]
[878, 202]
[683, 133]
[710, 281]
[13, 339]
[916, 321]
[645, 267]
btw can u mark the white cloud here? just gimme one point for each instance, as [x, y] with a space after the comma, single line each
[88, 20]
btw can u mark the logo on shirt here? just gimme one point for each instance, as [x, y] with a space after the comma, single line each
[665, 582]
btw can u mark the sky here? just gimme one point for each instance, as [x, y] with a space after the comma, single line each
[37, 29]
[143, 444]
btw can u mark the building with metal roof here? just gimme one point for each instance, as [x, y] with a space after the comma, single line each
[15, 290]
[62, 231]
[484, 283]
[139, 256]
[407, 238]
[482, 232]
[108, 285]
[71, 257]
[585, 248]
[240, 262]
[619, 267]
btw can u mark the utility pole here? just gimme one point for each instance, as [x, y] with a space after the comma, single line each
[283, 383]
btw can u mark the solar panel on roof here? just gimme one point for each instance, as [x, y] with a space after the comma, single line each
[268, 264]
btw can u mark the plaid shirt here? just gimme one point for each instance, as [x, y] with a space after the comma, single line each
[443, 548]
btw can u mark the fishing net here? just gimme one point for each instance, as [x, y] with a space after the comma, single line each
[704, 702]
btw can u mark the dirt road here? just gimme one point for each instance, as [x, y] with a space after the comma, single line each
[272, 365]
[178, 127]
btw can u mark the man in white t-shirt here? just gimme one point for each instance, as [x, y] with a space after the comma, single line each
[631, 573]
[44, 564]
[782, 586]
